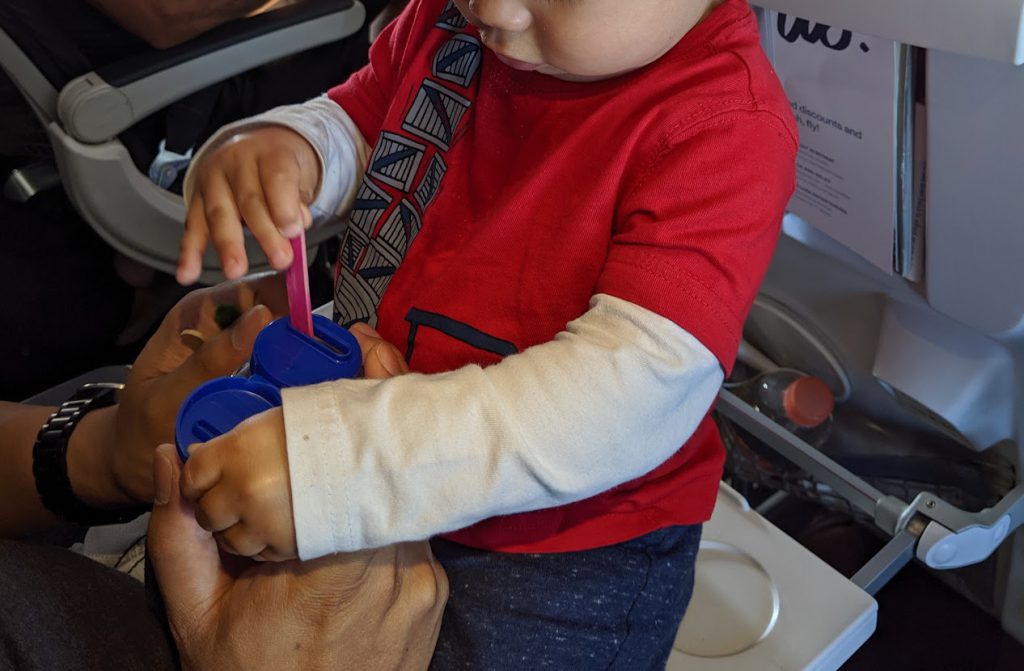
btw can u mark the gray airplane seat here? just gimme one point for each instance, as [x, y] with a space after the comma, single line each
[109, 123]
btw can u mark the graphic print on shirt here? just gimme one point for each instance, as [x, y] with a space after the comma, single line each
[452, 19]
[404, 175]
[435, 114]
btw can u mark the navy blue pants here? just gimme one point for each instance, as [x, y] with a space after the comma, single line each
[616, 607]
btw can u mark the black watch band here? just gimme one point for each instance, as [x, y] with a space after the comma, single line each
[50, 464]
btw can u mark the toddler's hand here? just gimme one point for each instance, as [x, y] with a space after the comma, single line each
[264, 178]
[242, 493]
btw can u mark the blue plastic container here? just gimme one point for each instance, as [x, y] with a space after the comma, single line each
[285, 357]
[282, 357]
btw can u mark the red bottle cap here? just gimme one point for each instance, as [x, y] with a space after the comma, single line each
[808, 401]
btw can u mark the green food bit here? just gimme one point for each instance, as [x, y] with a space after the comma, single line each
[226, 315]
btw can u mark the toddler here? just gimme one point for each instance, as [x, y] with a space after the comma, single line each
[560, 211]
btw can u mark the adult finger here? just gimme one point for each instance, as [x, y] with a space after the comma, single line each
[197, 309]
[184, 556]
[428, 591]
[223, 353]
[267, 288]
[205, 354]
[270, 289]
[385, 605]
[193, 243]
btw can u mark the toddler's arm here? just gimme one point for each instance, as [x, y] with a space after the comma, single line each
[367, 464]
[608, 400]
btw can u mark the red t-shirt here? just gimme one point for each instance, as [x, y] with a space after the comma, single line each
[498, 202]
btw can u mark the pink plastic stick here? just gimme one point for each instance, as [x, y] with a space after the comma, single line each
[300, 309]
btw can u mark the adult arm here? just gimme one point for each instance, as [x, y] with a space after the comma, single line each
[90, 452]
[110, 453]
[165, 23]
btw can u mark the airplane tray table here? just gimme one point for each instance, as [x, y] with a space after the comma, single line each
[762, 601]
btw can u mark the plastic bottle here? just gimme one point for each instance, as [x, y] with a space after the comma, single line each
[800, 403]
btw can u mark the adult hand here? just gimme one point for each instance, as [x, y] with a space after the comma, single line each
[374, 609]
[167, 370]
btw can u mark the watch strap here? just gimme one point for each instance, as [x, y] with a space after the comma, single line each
[50, 465]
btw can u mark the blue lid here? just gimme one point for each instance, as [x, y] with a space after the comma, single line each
[285, 357]
[218, 406]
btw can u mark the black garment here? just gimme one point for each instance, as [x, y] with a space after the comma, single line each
[59, 610]
[62, 304]
[64, 38]
[67, 38]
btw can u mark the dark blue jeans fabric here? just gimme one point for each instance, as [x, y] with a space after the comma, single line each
[616, 607]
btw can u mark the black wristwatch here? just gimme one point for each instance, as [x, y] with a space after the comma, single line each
[50, 464]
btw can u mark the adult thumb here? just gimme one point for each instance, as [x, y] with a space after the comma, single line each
[185, 559]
